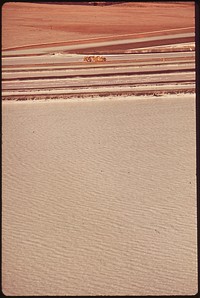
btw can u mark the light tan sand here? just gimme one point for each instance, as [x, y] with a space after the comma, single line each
[99, 197]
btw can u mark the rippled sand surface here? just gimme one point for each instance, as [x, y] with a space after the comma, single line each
[99, 197]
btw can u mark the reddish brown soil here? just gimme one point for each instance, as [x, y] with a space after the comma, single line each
[33, 23]
[119, 49]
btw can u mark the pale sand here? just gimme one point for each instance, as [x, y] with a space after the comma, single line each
[99, 197]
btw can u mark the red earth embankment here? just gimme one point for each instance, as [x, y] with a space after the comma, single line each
[33, 23]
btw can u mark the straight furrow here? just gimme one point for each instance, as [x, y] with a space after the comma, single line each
[124, 72]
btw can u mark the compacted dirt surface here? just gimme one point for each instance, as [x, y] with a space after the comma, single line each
[34, 23]
[148, 47]
[44, 45]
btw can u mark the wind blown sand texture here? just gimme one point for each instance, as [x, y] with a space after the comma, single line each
[99, 197]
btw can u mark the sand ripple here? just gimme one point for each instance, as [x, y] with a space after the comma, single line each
[99, 197]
